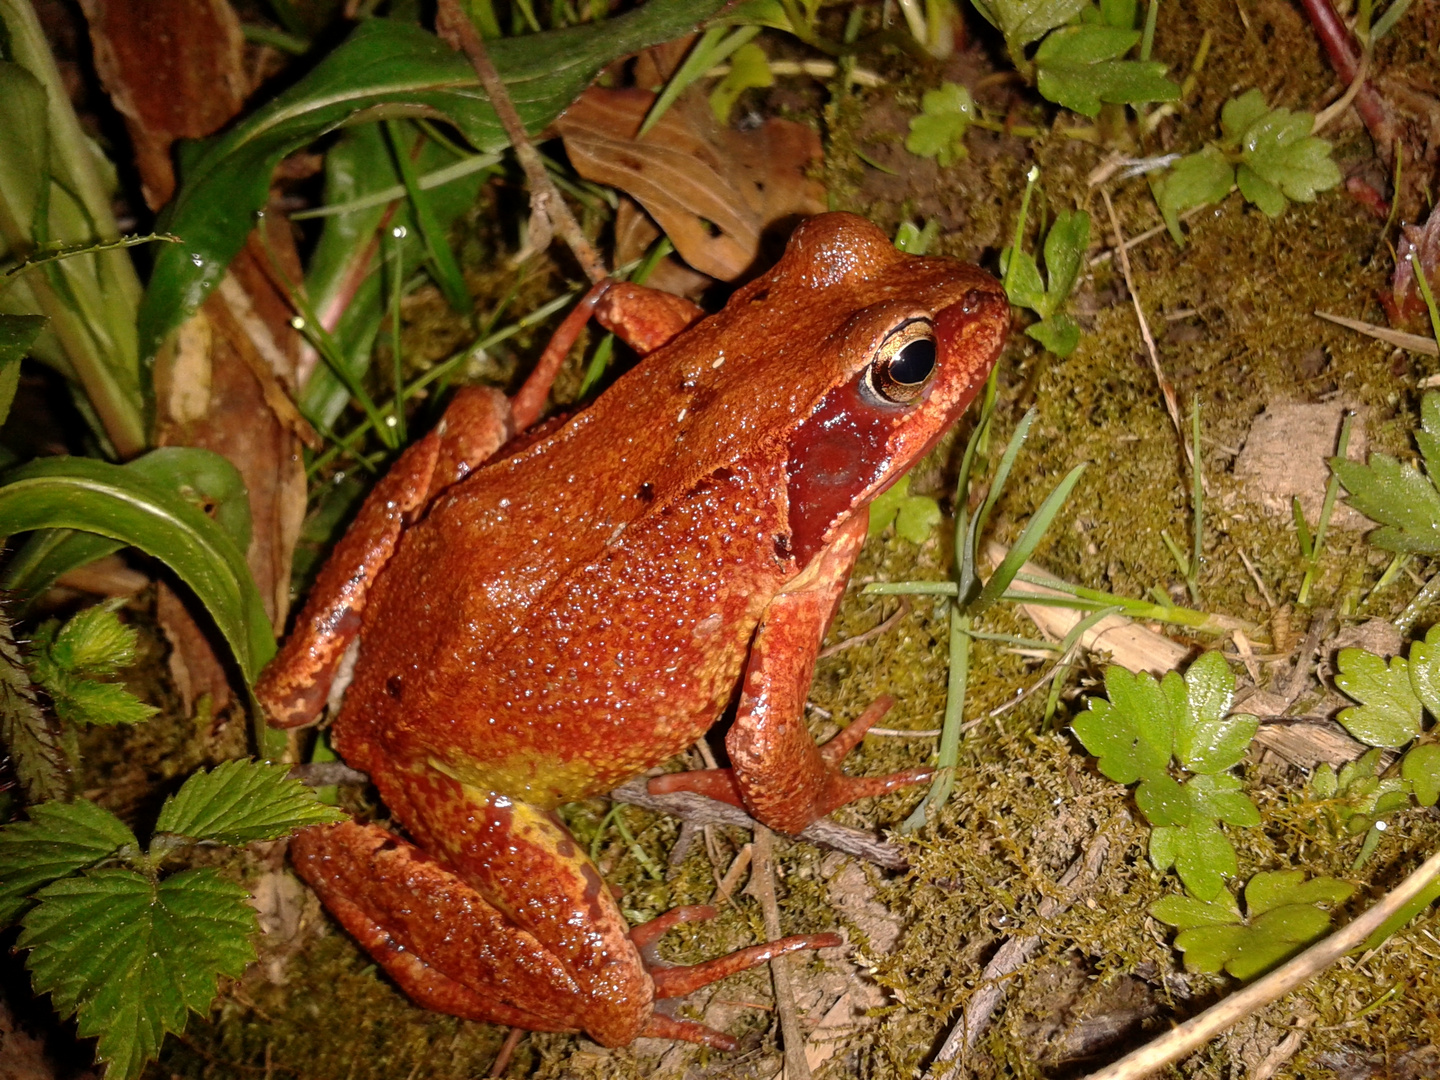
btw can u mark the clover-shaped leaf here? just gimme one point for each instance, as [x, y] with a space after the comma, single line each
[914, 516]
[939, 131]
[1239, 113]
[1195, 180]
[1389, 712]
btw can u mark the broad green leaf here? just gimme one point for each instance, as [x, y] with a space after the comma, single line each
[242, 801]
[1268, 890]
[201, 477]
[917, 518]
[1219, 796]
[1399, 497]
[1240, 112]
[17, 334]
[1427, 436]
[1206, 739]
[1024, 21]
[59, 839]
[939, 130]
[1425, 670]
[1065, 247]
[113, 501]
[1422, 768]
[1186, 913]
[1274, 937]
[1195, 180]
[1059, 333]
[1024, 286]
[1164, 847]
[132, 957]
[1164, 802]
[1389, 711]
[32, 738]
[1207, 948]
[1323, 782]
[749, 70]
[1204, 859]
[1079, 67]
[1133, 736]
[1280, 150]
[1260, 191]
[383, 65]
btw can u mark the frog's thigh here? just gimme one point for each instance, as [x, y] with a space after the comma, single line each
[447, 948]
[294, 687]
[527, 865]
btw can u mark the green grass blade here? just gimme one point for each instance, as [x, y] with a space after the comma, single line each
[1034, 531]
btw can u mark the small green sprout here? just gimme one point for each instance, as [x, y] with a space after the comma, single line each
[1283, 914]
[749, 70]
[69, 662]
[939, 131]
[1399, 496]
[914, 516]
[1142, 727]
[1065, 246]
[1270, 154]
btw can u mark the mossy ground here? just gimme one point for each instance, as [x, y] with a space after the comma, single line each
[1232, 313]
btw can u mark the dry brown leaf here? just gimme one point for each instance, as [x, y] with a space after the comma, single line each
[174, 69]
[715, 191]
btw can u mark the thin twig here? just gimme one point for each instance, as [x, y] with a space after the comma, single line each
[762, 884]
[1167, 391]
[1196, 1032]
[546, 202]
[874, 631]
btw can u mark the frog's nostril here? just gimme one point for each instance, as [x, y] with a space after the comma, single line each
[974, 300]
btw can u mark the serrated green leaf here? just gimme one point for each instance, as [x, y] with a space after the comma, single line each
[1219, 796]
[1427, 437]
[1204, 859]
[1397, 496]
[1059, 333]
[86, 701]
[1425, 670]
[95, 642]
[1024, 21]
[1274, 937]
[1163, 801]
[131, 957]
[1206, 739]
[1389, 713]
[1280, 150]
[939, 130]
[1195, 180]
[1422, 768]
[31, 736]
[59, 839]
[1260, 191]
[1077, 67]
[1239, 113]
[242, 801]
[1186, 913]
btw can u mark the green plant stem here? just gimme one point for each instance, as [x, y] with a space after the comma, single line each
[1423, 284]
[949, 752]
[1332, 492]
[1429, 592]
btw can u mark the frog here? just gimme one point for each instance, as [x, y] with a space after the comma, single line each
[539, 611]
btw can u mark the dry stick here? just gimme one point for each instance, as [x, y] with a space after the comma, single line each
[1194, 1033]
[1167, 391]
[762, 884]
[546, 203]
[1009, 959]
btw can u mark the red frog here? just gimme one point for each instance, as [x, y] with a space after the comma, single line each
[543, 616]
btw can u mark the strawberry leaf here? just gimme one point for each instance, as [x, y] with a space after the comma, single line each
[59, 839]
[242, 801]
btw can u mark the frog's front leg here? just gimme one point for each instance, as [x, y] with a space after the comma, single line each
[777, 771]
[508, 922]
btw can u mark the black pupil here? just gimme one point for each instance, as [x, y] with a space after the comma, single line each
[914, 362]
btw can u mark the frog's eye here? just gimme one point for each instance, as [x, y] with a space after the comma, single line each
[903, 363]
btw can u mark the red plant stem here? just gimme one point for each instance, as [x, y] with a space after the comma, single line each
[1345, 59]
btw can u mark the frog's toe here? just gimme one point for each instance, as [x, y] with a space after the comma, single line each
[841, 789]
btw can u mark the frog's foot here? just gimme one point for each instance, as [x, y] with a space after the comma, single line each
[675, 981]
[831, 788]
